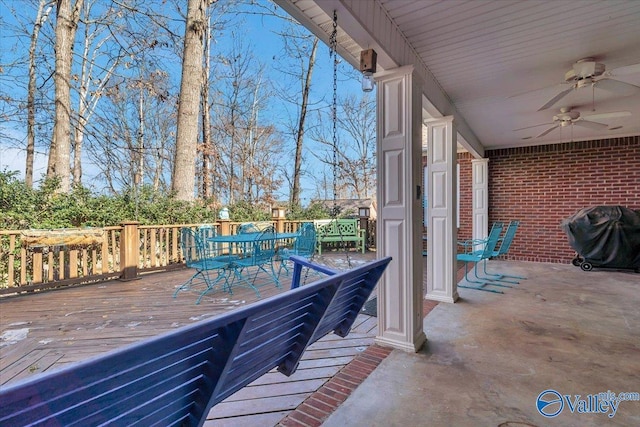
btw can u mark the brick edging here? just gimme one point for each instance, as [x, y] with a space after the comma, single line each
[317, 407]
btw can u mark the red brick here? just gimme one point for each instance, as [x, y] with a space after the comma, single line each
[365, 363]
[313, 411]
[342, 375]
[339, 386]
[370, 358]
[377, 350]
[290, 422]
[304, 419]
[331, 392]
[356, 372]
[348, 386]
[315, 402]
[327, 399]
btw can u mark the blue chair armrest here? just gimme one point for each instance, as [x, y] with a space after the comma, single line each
[299, 262]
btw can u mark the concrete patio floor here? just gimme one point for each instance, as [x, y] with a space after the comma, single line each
[489, 356]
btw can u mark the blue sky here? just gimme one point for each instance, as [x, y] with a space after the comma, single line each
[258, 31]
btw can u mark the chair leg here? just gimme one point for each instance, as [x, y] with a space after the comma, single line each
[273, 274]
[245, 280]
[480, 286]
[187, 285]
[283, 265]
[211, 284]
[501, 276]
[466, 272]
[489, 281]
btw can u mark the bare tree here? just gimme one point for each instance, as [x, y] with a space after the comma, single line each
[41, 17]
[354, 165]
[248, 145]
[296, 64]
[232, 109]
[99, 59]
[297, 166]
[183, 177]
[208, 175]
[135, 128]
[207, 147]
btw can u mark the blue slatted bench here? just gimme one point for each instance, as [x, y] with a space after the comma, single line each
[177, 377]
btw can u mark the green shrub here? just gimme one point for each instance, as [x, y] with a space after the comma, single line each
[43, 207]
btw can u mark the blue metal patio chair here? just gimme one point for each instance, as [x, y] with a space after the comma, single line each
[247, 227]
[211, 267]
[505, 244]
[303, 246]
[205, 232]
[260, 253]
[488, 246]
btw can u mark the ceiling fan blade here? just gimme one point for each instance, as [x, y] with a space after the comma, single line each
[617, 87]
[611, 115]
[623, 71]
[547, 131]
[556, 98]
[539, 91]
[590, 125]
[533, 126]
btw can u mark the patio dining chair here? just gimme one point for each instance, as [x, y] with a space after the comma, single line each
[211, 267]
[260, 254]
[303, 246]
[205, 232]
[246, 228]
[487, 247]
[505, 243]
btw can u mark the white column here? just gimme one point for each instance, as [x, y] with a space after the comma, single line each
[400, 295]
[480, 197]
[443, 201]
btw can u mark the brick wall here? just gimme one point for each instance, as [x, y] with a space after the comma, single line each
[545, 184]
[465, 231]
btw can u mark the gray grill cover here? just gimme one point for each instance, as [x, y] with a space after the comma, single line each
[607, 236]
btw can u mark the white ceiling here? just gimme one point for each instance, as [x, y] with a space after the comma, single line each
[499, 61]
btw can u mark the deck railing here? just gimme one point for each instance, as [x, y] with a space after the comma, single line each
[33, 260]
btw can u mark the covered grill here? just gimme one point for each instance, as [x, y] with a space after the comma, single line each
[605, 236]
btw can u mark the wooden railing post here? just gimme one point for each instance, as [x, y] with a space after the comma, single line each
[278, 216]
[225, 227]
[129, 251]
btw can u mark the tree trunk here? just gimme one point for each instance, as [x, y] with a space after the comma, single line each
[184, 169]
[295, 191]
[139, 176]
[206, 120]
[60, 154]
[41, 17]
[77, 150]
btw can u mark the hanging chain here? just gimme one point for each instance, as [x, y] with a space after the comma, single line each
[334, 53]
[334, 111]
[333, 43]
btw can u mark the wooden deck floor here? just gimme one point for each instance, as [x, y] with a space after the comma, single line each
[40, 332]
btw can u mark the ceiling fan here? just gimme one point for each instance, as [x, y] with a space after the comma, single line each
[587, 72]
[569, 117]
